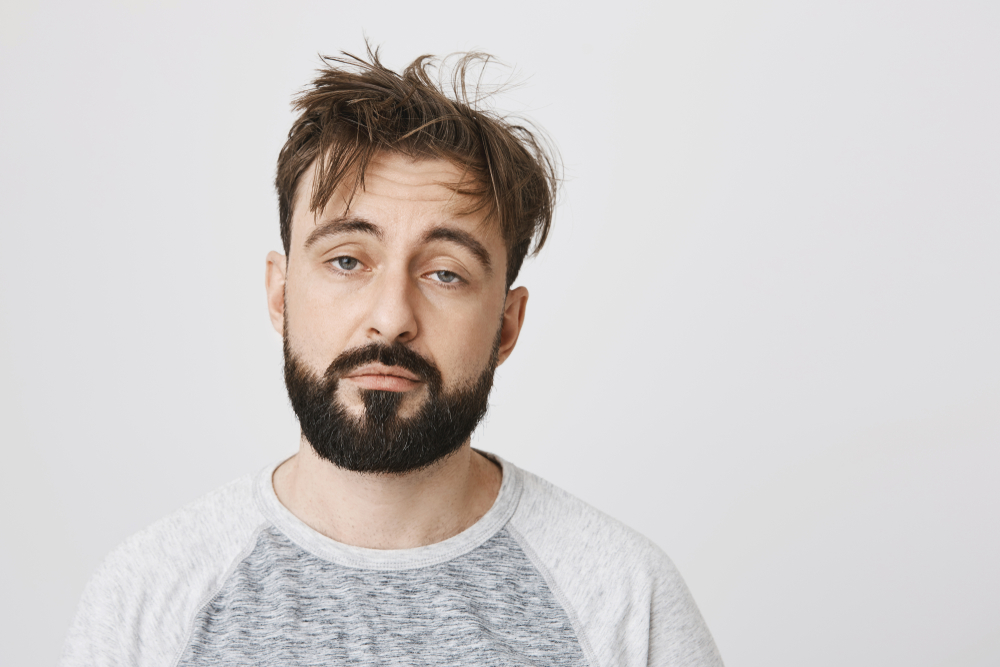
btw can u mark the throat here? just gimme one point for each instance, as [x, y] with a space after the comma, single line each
[388, 511]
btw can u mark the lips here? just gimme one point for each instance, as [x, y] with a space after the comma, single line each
[383, 378]
[380, 369]
[384, 367]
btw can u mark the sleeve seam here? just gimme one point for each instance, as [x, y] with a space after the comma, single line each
[588, 650]
[250, 545]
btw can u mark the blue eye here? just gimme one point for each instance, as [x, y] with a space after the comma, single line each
[446, 276]
[346, 263]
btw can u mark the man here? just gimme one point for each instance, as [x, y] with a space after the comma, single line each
[405, 216]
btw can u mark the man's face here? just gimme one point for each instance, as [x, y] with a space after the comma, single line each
[394, 313]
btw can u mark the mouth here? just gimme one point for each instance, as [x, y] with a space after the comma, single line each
[383, 378]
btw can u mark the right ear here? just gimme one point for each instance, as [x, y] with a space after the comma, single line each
[274, 284]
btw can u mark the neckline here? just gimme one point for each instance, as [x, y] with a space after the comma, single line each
[323, 547]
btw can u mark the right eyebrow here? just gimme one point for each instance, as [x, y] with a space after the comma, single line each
[342, 225]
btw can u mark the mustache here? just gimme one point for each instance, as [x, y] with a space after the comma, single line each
[396, 354]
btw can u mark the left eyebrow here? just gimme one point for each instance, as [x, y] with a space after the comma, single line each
[464, 239]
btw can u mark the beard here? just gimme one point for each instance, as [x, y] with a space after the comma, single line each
[380, 440]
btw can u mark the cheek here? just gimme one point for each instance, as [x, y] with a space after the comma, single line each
[317, 324]
[466, 344]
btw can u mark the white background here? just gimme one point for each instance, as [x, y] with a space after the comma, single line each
[764, 332]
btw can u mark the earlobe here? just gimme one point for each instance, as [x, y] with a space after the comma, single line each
[513, 320]
[274, 285]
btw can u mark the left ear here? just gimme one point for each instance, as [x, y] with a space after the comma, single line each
[513, 319]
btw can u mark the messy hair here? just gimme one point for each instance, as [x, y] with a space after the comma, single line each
[357, 108]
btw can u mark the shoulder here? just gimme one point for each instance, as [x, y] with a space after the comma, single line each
[194, 536]
[137, 606]
[626, 597]
[565, 529]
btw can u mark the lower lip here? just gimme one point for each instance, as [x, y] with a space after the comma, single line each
[383, 382]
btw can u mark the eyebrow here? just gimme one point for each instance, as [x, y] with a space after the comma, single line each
[343, 226]
[464, 239]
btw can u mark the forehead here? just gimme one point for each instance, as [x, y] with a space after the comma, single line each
[397, 189]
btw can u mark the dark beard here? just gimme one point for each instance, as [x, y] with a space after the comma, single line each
[381, 441]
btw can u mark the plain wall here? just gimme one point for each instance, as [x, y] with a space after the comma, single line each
[764, 331]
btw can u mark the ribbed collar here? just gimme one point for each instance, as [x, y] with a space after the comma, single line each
[390, 559]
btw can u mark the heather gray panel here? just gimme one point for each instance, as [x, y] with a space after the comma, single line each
[284, 606]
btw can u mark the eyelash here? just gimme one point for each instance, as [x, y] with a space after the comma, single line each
[456, 284]
[336, 260]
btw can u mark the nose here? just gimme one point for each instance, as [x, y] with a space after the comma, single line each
[392, 317]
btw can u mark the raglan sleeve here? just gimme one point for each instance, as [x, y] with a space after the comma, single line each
[138, 607]
[678, 635]
[99, 634]
[625, 598]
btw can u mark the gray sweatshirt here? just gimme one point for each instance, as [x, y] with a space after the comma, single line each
[236, 579]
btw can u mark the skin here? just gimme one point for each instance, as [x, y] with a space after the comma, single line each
[403, 264]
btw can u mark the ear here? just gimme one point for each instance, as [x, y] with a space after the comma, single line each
[513, 319]
[274, 284]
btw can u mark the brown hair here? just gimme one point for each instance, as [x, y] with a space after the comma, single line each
[356, 108]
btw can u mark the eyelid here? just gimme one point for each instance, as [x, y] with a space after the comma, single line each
[459, 278]
[345, 248]
[334, 264]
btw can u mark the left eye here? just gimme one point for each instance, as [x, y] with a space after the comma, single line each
[446, 276]
[346, 263]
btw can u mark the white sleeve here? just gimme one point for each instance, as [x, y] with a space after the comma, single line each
[138, 607]
[626, 599]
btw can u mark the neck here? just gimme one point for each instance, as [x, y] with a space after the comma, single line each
[388, 511]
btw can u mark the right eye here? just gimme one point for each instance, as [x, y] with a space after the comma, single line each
[346, 263]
